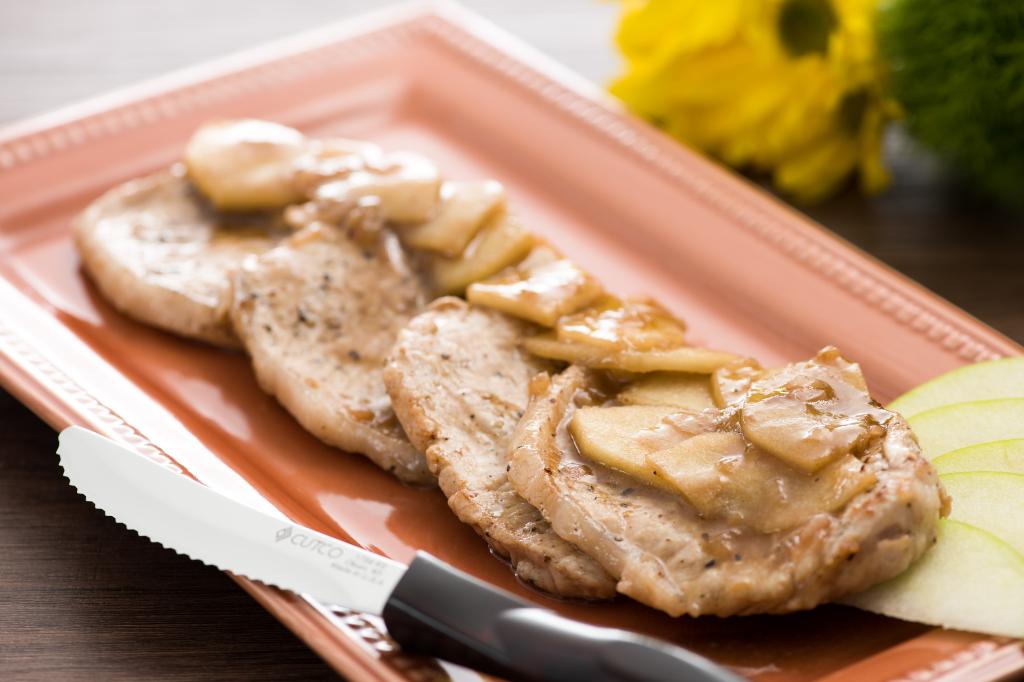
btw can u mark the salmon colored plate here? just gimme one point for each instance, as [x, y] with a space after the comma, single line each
[747, 273]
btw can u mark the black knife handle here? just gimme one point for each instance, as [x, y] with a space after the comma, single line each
[440, 611]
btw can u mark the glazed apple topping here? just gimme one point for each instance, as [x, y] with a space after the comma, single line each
[333, 159]
[542, 288]
[502, 242]
[810, 414]
[682, 390]
[632, 324]
[245, 165]
[610, 435]
[789, 447]
[683, 359]
[465, 208]
[730, 383]
[407, 186]
[724, 476]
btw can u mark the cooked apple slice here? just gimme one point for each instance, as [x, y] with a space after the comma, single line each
[502, 242]
[983, 381]
[633, 324]
[970, 580]
[992, 501]
[702, 468]
[953, 427]
[685, 359]
[246, 164]
[330, 159]
[729, 384]
[541, 289]
[610, 435]
[810, 414]
[465, 207]
[1000, 455]
[406, 185]
[674, 389]
[722, 477]
[547, 345]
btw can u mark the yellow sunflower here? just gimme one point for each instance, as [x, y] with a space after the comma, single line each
[793, 87]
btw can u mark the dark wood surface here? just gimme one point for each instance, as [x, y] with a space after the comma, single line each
[83, 599]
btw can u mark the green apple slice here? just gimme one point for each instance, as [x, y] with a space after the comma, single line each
[983, 381]
[970, 580]
[952, 427]
[999, 455]
[990, 500]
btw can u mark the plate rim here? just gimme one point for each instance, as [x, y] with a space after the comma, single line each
[60, 401]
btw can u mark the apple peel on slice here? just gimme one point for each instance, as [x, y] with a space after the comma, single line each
[982, 381]
[997, 455]
[953, 427]
[970, 580]
[990, 500]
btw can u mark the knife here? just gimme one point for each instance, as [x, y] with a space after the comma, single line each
[428, 607]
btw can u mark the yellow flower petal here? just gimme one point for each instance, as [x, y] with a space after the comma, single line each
[812, 175]
[717, 75]
[647, 27]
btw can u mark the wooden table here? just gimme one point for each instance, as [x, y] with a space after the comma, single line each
[81, 598]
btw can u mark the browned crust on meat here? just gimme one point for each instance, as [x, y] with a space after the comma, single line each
[161, 256]
[459, 383]
[665, 556]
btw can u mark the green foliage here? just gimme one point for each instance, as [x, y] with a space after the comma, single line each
[958, 71]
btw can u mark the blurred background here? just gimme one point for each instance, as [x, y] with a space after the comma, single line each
[54, 52]
[128, 610]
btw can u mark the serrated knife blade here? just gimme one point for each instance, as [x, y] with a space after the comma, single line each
[428, 607]
[190, 518]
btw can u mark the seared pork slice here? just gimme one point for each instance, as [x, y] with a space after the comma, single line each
[459, 382]
[318, 315]
[162, 255]
[665, 555]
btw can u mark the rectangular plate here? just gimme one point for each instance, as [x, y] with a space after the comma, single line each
[747, 273]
